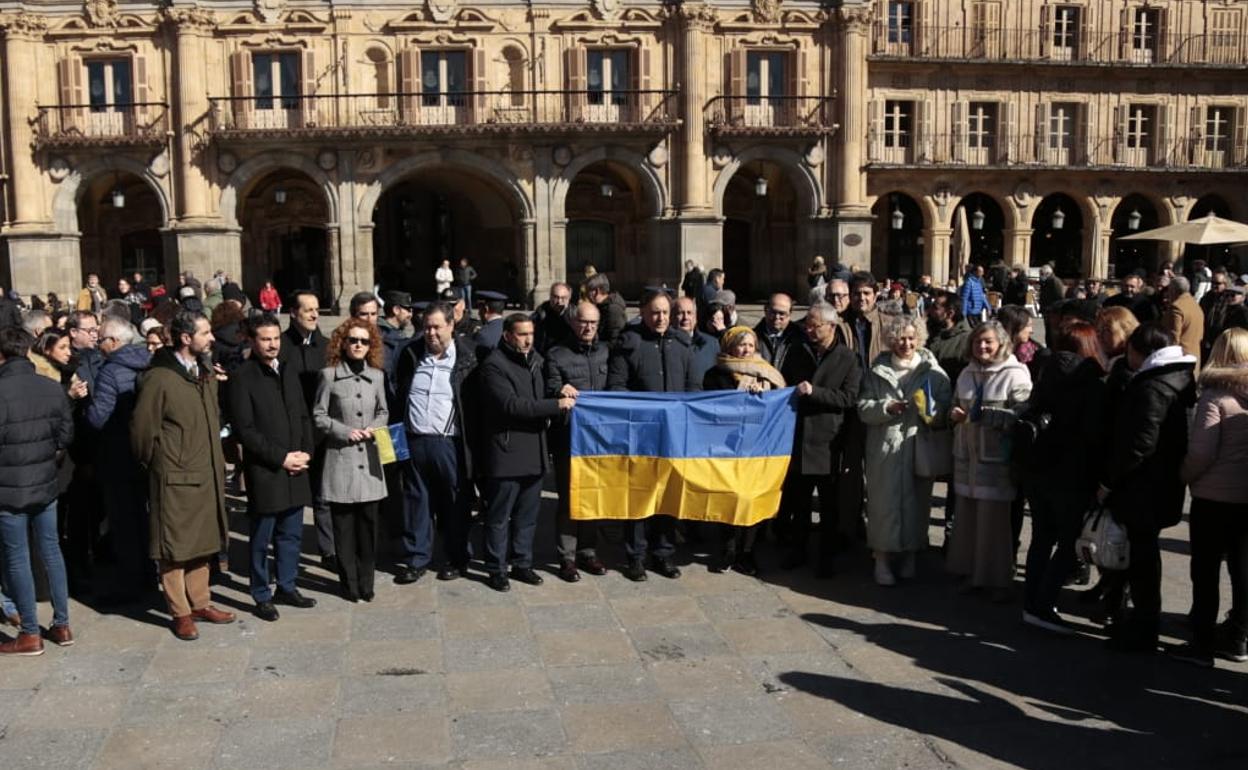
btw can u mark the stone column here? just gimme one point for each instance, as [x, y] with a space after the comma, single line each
[191, 26]
[530, 280]
[852, 215]
[700, 231]
[936, 253]
[1018, 246]
[22, 41]
[333, 265]
[1098, 266]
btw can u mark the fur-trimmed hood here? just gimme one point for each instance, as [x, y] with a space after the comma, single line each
[1233, 379]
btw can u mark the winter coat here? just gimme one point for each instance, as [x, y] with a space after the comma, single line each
[1186, 321]
[730, 373]
[972, 297]
[875, 346]
[691, 285]
[35, 427]
[517, 414]
[899, 502]
[1016, 291]
[270, 300]
[1150, 441]
[1068, 454]
[461, 384]
[392, 341]
[45, 368]
[775, 351]
[584, 367]
[110, 410]
[442, 278]
[949, 346]
[614, 315]
[270, 420]
[488, 337]
[836, 377]
[1052, 291]
[1217, 451]
[1141, 306]
[551, 327]
[175, 436]
[644, 361]
[705, 353]
[305, 361]
[464, 276]
[10, 313]
[992, 396]
[346, 401]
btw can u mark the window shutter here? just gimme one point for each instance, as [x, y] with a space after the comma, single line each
[1125, 32]
[409, 84]
[922, 20]
[307, 88]
[1240, 133]
[576, 67]
[1085, 34]
[71, 74]
[922, 125]
[480, 86]
[1007, 133]
[1083, 135]
[139, 112]
[1163, 36]
[642, 85]
[242, 87]
[957, 119]
[1195, 134]
[737, 71]
[1167, 117]
[798, 86]
[1042, 132]
[1046, 31]
[1121, 113]
[875, 128]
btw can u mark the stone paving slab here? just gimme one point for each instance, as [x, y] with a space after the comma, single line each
[714, 671]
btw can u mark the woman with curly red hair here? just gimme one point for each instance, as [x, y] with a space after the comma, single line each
[350, 406]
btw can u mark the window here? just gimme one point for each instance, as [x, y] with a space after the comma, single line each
[900, 22]
[898, 118]
[1062, 126]
[276, 78]
[981, 125]
[1139, 127]
[109, 85]
[443, 78]
[1065, 32]
[1218, 123]
[764, 76]
[1145, 25]
[1224, 36]
[608, 75]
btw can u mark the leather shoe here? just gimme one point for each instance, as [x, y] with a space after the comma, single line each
[526, 575]
[592, 564]
[568, 571]
[294, 599]
[665, 567]
[329, 563]
[61, 636]
[211, 614]
[451, 572]
[184, 628]
[267, 611]
[24, 644]
[635, 571]
[14, 620]
[746, 565]
[498, 582]
[409, 575]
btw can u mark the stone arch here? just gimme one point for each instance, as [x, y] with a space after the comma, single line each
[802, 177]
[491, 170]
[65, 202]
[256, 168]
[648, 176]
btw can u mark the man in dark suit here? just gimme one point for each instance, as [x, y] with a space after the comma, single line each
[827, 376]
[491, 333]
[775, 334]
[272, 423]
[552, 321]
[517, 414]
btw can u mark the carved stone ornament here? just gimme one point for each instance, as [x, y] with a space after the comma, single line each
[942, 197]
[159, 165]
[101, 13]
[814, 156]
[721, 156]
[365, 160]
[58, 169]
[1024, 194]
[441, 10]
[269, 10]
[699, 15]
[227, 162]
[27, 24]
[604, 9]
[561, 155]
[856, 19]
[766, 11]
[190, 17]
[658, 156]
[327, 160]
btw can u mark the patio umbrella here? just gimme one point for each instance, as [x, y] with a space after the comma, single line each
[1204, 231]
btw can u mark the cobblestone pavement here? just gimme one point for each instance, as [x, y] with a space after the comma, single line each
[715, 671]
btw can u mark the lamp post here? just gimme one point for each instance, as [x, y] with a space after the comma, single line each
[899, 219]
[1134, 219]
[1059, 219]
[279, 196]
[977, 219]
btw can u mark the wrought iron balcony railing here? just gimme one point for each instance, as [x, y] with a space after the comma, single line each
[770, 115]
[444, 112]
[971, 43]
[102, 125]
[1027, 150]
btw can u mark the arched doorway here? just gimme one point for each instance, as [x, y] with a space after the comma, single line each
[444, 213]
[985, 227]
[760, 238]
[1057, 235]
[897, 237]
[608, 227]
[1214, 255]
[1134, 214]
[283, 217]
[120, 219]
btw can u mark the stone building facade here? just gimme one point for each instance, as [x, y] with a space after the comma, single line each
[341, 144]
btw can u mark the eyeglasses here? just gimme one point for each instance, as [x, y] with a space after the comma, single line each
[358, 341]
[93, 330]
[839, 294]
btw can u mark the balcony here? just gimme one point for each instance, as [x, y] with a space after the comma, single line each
[446, 113]
[797, 116]
[1038, 45]
[1026, 151]
[131, 124]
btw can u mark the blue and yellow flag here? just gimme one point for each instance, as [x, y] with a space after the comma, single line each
[717, 456]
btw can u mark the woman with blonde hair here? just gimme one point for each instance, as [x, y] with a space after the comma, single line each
[739, 367]
[1217, 455]
[904, 393]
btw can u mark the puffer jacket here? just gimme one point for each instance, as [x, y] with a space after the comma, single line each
[614, 314]
[35, 425]
[648, 362]
[584, 367]
[518, 412]
[113, 404]
[1070, 451]
[1217, 451]
[1150, 442]
[992, 396]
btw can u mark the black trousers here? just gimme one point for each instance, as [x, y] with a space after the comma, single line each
[512, 506]
[655, 535]
[355, 535]
[1144, 580]
[1056, 521]
[1219, 530]
[795, 508]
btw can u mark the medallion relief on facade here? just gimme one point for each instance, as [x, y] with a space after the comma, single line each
[101, 13]
[766, 11]
[441, 10]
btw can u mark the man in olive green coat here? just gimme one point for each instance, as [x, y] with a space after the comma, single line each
[175, 435]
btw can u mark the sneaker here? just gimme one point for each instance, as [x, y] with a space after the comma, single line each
[1197, 655]
[884, 573]
[1049, 621]
[1230, 647]
[24, 644]
[61, 636]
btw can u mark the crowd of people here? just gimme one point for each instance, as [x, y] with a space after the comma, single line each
[129, 417]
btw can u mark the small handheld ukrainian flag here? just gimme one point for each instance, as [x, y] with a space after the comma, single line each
[718, 456]
[925, 402]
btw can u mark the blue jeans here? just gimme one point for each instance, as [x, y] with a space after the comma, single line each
[285, 530]
[14, 536]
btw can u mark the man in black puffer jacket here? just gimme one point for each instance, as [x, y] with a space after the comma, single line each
[652, 357]
[36, 427]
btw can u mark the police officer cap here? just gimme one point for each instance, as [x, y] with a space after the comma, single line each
[451, 294]
[419, 307]
[398, 299]
[492, 296]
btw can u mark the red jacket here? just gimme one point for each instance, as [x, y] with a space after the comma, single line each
[269, 299]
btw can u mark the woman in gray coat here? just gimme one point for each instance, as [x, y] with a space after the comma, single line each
[350, 406]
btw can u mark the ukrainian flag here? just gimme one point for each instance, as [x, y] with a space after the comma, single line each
[716, 456]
